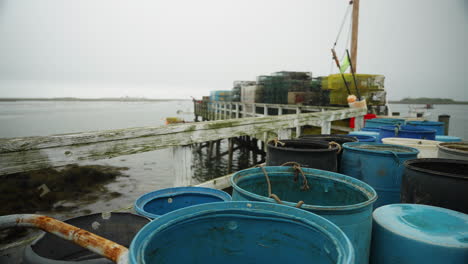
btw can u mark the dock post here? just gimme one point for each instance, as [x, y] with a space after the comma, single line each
[210, 149]
[237, 110]
[280, 110]
[326, 127]
[446, 120]
[230, 151]
[298, 128]
[265, 110]
[358, 123]
[284, 133]
[182, 158]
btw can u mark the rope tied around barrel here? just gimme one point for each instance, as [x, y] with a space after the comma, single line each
[272, 195]
[276, 141]
[297, 169]
[332, 144]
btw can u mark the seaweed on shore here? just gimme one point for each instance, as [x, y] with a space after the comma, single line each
[29, 192]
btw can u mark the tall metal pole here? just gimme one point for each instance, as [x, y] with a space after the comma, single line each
[354, 36]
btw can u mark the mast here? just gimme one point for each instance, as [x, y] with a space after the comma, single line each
[354, 36]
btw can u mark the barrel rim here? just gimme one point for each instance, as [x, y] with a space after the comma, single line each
[403, 234]
[321, 136]
[349, 146]
[443, 146]
[425, 123]
[29, 251]
[324, 225]
[407, 128]
[384, 120]
[412, 141]
[360, 186]
[140, 203]
[310, 142]
[409, 165]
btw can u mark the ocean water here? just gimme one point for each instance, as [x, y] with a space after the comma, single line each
[147, 171]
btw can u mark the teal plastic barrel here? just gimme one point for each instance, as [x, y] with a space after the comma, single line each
[439, 127]
[379, 165]
[343, 200]
[378, 122]
[241, 232]
[154, 204]
[406, 132]
[415, 233]
[447, 138]
[365, 133]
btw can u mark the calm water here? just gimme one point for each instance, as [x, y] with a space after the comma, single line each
[147, 171]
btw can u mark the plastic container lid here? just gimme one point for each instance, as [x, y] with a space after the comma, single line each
[428, 224]
[447, 138]
[425, 123]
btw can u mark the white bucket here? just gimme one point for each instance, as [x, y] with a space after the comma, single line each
[427, 148]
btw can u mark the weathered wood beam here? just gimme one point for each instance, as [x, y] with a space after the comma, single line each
[23, 154]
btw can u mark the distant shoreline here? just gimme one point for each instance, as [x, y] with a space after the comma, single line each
[420, 102]
[73, 99]
[425, 100]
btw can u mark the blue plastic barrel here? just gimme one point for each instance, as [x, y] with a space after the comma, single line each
[370, 129]
[157, 203]
[365, 133]
[415, 233]
[379, 165]
[343, 200]
[365, 138]
[437, 126]
[241, 232]
[447, 138]
[378, 122]
[407, 132]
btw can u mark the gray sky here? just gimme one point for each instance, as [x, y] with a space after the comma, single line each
[174, 49]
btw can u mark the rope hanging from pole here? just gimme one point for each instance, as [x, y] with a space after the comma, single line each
[348, 10]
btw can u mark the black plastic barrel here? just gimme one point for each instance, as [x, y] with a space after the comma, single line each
[438, 182]
[311, 154]
[340, 139]
[117, 227]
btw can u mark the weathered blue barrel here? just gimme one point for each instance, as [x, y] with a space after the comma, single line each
[406, 132]
[431, 125]
[365, 133]
[379, 165]
[241, 232]
[378, 122]
[157, 203]
[117, 227]
[414, 233]
[343, 200]
[364, 138]
[370, 129]
[447, 138]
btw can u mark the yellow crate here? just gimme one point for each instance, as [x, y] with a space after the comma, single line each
[369, 81]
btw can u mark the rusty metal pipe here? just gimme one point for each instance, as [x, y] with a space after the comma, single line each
[97, 244]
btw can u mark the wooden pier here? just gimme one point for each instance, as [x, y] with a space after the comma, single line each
[32, 153]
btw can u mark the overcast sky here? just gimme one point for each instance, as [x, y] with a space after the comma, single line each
[179, 48]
